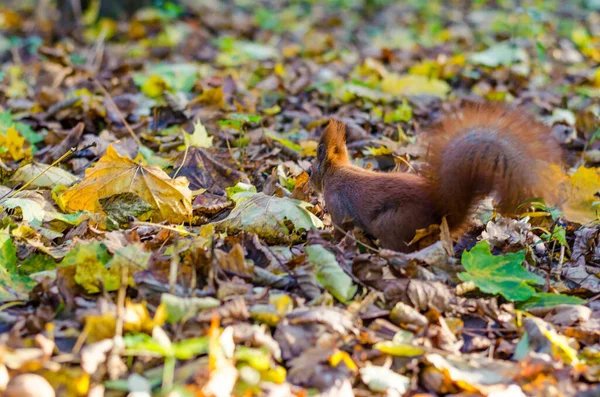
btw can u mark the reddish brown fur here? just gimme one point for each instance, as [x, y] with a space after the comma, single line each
[483, 149]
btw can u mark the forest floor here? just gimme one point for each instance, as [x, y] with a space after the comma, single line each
[158, 235]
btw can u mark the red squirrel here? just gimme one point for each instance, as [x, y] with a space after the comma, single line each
[481, 150]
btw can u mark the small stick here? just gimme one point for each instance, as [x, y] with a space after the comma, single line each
[171, 228]
[187, 148]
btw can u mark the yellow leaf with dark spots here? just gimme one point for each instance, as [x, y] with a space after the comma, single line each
[171, 199]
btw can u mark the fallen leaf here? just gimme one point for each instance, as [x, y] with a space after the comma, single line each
[178, 308]
[52, 176]
[274, 219]
[414, 85]
[90, 262]
[381, 379]
[547, 299]
[12, 145]
[13, 286]
[121, 207]
[114, 174]
[208, 169]
[476, 373]
[504, 53]
[329, 273]
[499, 274]
[199, 138]
[576, 193]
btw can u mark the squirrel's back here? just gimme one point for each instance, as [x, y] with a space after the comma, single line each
[484, 149]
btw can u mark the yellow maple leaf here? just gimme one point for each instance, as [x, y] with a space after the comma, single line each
[199, 137]
[576, 194]
[171, 199]
[14, 144]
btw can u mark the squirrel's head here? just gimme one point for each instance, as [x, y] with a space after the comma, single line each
[331, 152]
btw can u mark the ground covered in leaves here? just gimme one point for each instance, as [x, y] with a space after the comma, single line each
[158, 234]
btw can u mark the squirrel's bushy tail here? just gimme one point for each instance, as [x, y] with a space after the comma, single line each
[485, 149]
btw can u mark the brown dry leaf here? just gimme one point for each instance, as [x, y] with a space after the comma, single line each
[207, 168]
[114, 174]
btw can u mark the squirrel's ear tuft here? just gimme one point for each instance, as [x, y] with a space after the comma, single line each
[339, 128]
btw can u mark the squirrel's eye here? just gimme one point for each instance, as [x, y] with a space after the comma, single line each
[321, 151]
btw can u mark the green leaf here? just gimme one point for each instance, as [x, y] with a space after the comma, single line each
[499, 274]
[152, 159]
[329, 273]
[595, 136]
[89, 261]
[178, 308]
[240, 187]
[501, 54]
[287, 143]
[184, 350]
[6, 121]
[8, 253]
[175, 77]
[189, 348]
[275, 219]
[37, 263]
[13, 286]
[237, 52]
[362, 92]
[559, 234]
[144, 343]
[547, 299]
[259, 359]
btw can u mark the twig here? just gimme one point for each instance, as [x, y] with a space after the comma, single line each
[187, 149]
[121, 117]
[171, 228]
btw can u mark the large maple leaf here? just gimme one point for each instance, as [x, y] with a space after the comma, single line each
[114, 174]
